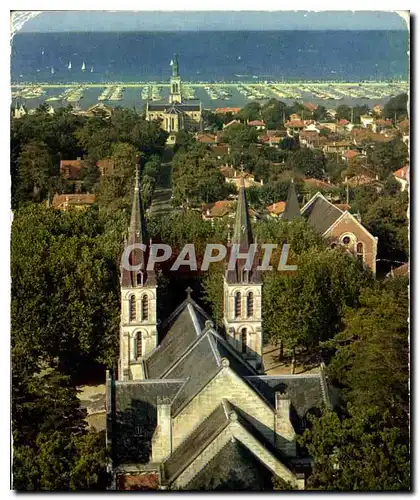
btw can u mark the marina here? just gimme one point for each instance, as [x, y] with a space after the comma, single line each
[211, 94]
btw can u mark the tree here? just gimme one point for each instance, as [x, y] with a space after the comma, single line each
[273, 114]
[305, 307]
[309, 162]
[389, 156]
[239, 135]
[396, 108]
[366, 446]
[250, 112]
[35, 171]
[387, 219]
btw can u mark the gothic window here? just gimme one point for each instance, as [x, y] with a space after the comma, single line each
[359, 251]
[132, 308]
[243, 340]
[145, 307]
[250, 305]
[139, 346]
[237, 304]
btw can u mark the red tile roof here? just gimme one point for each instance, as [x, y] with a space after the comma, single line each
[401, 172]
[277, 208]
[342, 122]
[232, 122]
[403, 270]
[70, 169]
[256, 123]
[342, 206]
[63, 200]
[350, 154]
[221, 111]
[206, 138]
[217, 209]
[311, 107]
[106, 166]
[317, 183]
[295, 124]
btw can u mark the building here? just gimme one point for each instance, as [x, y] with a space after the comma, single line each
[338, 227]
[276, 209]
[68, 202]
[234, 176]
[402, 177]
[190, 407]
[258, 124]
[19, 111]
[176, 114]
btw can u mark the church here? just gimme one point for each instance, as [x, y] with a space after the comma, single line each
[176, 114]
[190, 407]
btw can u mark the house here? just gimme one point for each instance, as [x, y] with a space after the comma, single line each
[222, 111]
[96, 110]
[68, 202]
[276, 209]
[318, 184]
[329, 125]
[234, 177]
[336, 147]
[293, 127]
[310, 107]
[232, 122]
[368, 122]
[310, 138]
[176, 114]
[70, 169]
[19, 111]
[381, 125]
[190, 406]
[338, 227]
[350, 155]
[402, 176]
[364, 180]
[377, 109]
[258, 124]
[217, 210]
[206, 138]
[400, 271]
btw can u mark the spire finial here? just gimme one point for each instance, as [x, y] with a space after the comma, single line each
[189, 291]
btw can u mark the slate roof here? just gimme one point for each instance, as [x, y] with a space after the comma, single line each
[320, 213]
[306, 391]
[182, 329]
[195, 443]
[292, 210]
[135, 418]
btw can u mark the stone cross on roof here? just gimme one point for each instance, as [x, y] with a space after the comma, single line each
[189, 291]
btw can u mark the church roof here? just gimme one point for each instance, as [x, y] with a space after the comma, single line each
[292, 210]
[320, 213]
[181, 330]
[196, 442]
[306, 391]
[137, 233]
[135, 418]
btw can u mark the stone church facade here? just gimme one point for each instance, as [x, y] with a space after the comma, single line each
[177, 114]
[191, 407]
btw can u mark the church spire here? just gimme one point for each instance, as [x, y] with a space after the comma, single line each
[175, 65]
[292, 210]
[137, 232]
[242, 231]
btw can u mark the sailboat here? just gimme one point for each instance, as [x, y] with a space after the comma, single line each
[42, 53]
[52, 70]
[91, 69]
[83, 66]
[69, 66]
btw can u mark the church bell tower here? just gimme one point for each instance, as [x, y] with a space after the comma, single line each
[138, 326]
[175, 82]
[242, 290]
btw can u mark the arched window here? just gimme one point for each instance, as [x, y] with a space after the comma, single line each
[132, 308]
[250, 305]
[237, 304]
[139, 345]
[359, 251]
[140, 278]
[245, 276]
[145, 307]
[243, 340]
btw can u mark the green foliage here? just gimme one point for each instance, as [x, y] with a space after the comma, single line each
[309, 162]
[64, 285]
[396, 107]
[305, 307]
[368, 447]
[386, 218]
[387, 157]
[250, 111]
[196, 180]
[239, 135]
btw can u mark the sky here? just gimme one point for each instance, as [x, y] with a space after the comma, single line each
[59, 21]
